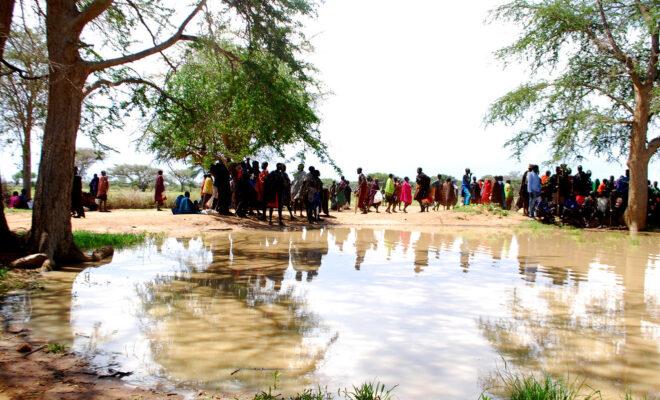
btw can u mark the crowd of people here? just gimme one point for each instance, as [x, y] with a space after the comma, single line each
[250, 188]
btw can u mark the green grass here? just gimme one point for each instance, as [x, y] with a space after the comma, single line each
[55, 348]
[370, 391]
[516, 386]
[3, 272]
[92, 240]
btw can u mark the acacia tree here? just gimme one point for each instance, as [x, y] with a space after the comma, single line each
[272, 25]
[86, 157]
[137, 175]
[23, 101]
[599, 86]
[6, 13]
[185, 177]
[229, 108]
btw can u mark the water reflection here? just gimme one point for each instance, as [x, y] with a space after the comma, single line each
[430, 311]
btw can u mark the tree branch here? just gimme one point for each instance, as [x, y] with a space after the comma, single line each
[146, 26]
[614, 48]
[21, 72]
[89, 13]
[177, 36]
[653, 146]
[612, 97]
[132, 81]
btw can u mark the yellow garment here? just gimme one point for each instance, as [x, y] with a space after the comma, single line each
[208, 186]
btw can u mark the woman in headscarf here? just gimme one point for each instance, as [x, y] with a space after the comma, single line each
[497, 197]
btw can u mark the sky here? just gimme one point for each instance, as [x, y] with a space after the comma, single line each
[410, 83]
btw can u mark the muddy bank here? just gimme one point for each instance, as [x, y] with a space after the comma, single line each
[152, 221]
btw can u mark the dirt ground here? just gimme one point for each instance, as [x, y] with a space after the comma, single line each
[65, 376]
[165, 222]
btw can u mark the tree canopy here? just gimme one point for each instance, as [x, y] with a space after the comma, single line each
[595, 84]
[231, 107]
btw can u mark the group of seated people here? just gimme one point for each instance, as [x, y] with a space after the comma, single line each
[19, 200]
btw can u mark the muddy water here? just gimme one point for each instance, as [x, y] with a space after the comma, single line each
[434, 313]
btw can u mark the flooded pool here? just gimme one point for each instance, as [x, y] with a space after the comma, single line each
[435, 313]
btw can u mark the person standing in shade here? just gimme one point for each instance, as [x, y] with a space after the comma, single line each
[423, 189]
[76, 195]
[94, 186]
[102, 195]
[533, 189]
[465, 187]
[159, 196]
[207, 190]
[508, 195]
[389, 194]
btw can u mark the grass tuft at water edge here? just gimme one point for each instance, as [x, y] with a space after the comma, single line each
[87, 240]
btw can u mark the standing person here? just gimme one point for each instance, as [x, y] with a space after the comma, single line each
[449, 194]
[348, 193]
[159, 196]
[475, 190]
[534, 189]
[406, 194]
[436, 188]
[508, 195]
[76, 195]
[341, 194]
[389, 194]
[221, 178]
[465, 187]
[260, 186]
[207, 190]
[423, 188]
[375, 197]
[102, 195]
[362, 192]
[486, 191]
[311, 192]
[94, 186]
[286, 190]
[397, 194]
[497, 196]
[272, 194]
[523, 195]
[297, 195]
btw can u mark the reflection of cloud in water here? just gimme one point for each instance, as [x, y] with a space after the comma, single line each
[428, 311]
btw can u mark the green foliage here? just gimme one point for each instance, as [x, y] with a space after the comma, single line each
[226, 107]
[584, 100]
[92, 240]
[521, 386]
[138, 176]
[56, 348]
[3, 272]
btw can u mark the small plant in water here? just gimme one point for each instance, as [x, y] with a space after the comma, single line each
[370, 391]
[55, 348]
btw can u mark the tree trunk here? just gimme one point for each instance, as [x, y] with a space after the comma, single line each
[27, 157]
[638, 163]
[6, 13]
[51, 219]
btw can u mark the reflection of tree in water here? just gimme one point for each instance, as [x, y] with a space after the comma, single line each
[589, 321]
[235, 315]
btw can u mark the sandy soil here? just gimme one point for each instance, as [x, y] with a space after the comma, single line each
[189, 225]
[49, 376]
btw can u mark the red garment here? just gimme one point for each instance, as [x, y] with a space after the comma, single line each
[261, 182]
[160, 189]
[579, 199]
[406, 193]
[14, 201]
[486, 191]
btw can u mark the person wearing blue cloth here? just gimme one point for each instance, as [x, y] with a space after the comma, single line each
[533, 188]
[183, 205]
[465, 187]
